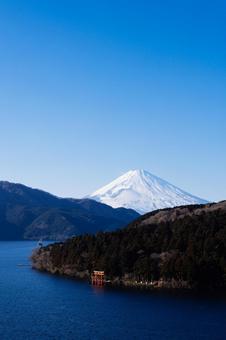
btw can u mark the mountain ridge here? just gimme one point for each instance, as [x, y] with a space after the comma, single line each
[27, 213]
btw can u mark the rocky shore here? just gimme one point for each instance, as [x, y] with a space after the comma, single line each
[42, 261]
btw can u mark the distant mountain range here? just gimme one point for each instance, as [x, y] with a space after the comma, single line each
[141, 191]
[27, 213]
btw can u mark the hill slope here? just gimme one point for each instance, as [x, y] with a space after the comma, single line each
[33, 214]
[141, 191]
[173, 248]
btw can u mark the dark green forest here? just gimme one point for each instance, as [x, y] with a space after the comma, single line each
[190, 248]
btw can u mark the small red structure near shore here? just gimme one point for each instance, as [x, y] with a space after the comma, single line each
[97, 278]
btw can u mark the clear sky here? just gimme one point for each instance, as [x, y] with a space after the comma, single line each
[92, 89]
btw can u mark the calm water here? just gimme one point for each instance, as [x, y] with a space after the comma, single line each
[40, 306]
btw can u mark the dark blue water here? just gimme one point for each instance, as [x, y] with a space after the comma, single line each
[34, 305]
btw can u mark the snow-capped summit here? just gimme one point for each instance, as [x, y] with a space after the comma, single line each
[143, 192]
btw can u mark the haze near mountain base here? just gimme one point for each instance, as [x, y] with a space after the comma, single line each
[143, 192]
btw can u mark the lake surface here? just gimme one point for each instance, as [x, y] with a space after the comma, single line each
[35, 305]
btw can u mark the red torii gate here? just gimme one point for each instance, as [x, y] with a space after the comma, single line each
[97, 278]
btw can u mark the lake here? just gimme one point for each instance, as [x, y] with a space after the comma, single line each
[36, 305]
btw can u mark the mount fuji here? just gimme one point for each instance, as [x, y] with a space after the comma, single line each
[141, 191]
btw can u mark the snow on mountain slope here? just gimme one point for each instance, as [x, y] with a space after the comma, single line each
[143, 192]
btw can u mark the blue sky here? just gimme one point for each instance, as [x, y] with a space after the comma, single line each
[91, 89]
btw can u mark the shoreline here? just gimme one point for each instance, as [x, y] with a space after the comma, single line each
[138, 288]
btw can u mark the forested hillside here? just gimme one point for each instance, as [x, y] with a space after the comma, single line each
[184, 245]
[27, 213]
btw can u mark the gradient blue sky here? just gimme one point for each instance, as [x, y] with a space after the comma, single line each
[91, 89]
